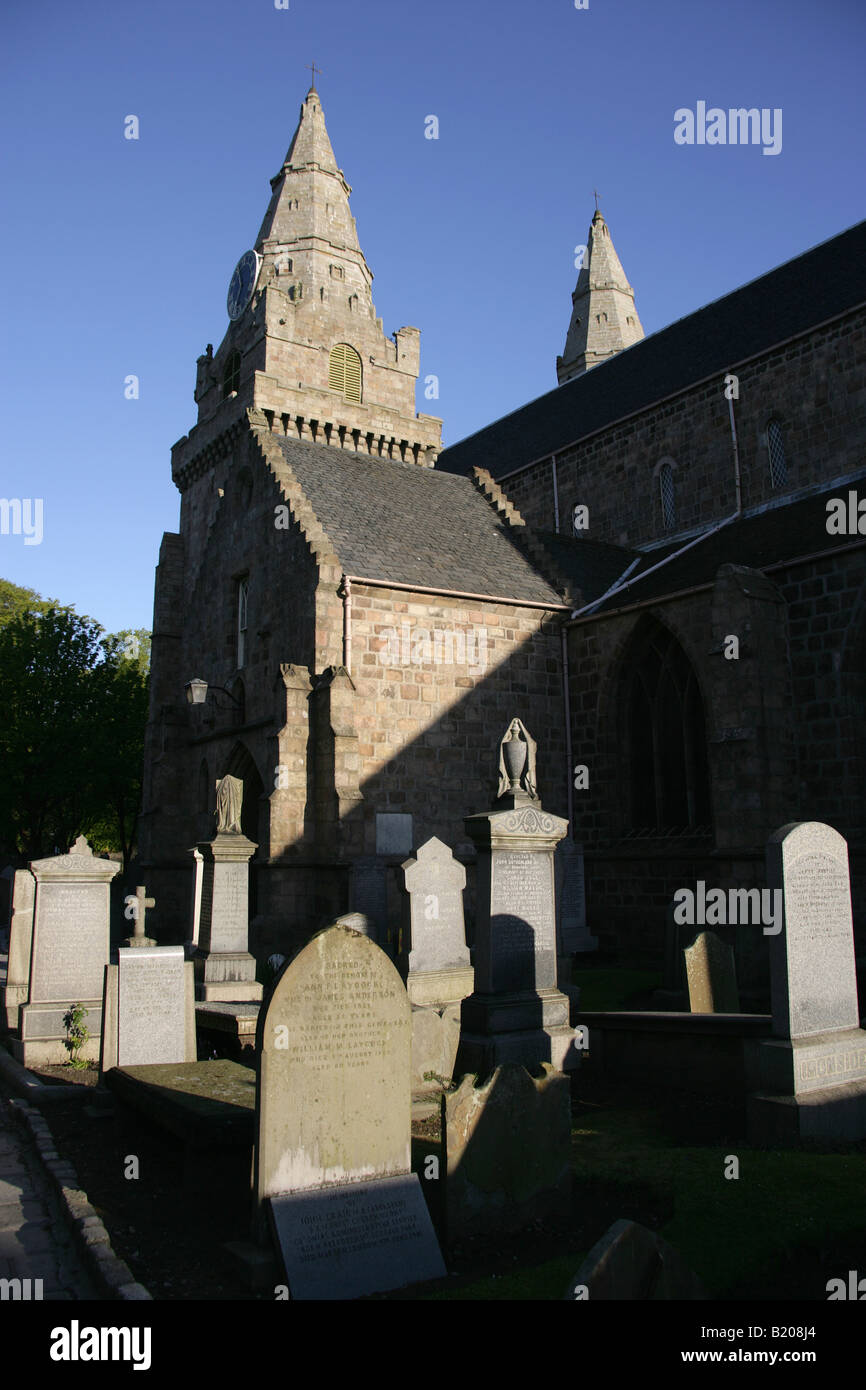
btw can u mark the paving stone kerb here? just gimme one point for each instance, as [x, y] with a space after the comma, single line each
[93, 1242]
[812, 969]
[333, 1102]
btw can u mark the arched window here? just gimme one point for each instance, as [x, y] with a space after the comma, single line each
[776, 451]
[344, 372]
[664, 736]
[667, 496]
[232, 374]
[241, 631]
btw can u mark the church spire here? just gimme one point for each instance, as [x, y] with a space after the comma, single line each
[604, 319]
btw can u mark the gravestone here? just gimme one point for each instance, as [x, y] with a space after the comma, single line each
[136, 907]
[507, 1150]
[516, 1013]
[224, 968]
[368, 895]
[573, 935]
[17, 987]
[809, 1079]
[632, 1263]
[435, 960]
[333, 1122]
[149, 1012]
[712, 976]
[69, 953]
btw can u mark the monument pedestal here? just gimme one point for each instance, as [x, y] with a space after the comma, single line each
[807, 1088]
[516, 1013]
[225, 970]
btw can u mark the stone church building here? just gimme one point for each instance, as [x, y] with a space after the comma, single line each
[639, 564]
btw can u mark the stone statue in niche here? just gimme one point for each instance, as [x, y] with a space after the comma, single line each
[517, 775]
[229, 799]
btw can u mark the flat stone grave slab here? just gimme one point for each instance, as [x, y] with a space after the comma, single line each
[206, 1104]
[345, 1241]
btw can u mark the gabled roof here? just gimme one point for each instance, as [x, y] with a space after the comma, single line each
[769, 537]
[413, 525]
[816, 286]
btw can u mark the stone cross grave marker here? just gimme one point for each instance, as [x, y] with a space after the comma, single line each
[711, 975]
[333, 1120]
[137, 905]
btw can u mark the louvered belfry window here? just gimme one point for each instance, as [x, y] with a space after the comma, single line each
[344, 373]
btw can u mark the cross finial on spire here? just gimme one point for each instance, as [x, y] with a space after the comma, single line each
[595, 196]
[314, 70]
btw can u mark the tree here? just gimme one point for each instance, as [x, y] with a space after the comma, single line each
[72, 734]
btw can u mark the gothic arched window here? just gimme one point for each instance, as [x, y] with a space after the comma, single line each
[776, 451]
[344, 372]
[664, 736]
[667, 496]
[232, 374]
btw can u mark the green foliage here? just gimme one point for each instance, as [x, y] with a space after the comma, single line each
[72, 735]
[78, 1035]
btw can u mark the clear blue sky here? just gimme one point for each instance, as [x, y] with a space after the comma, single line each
[118, 253]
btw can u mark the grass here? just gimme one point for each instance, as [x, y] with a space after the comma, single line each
[607, 989]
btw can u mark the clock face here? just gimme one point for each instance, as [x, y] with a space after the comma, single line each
[243, 282]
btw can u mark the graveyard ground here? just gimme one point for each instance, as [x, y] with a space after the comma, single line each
[791, 1221]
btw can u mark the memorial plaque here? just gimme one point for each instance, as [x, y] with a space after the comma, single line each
[522, 920]
[393, 833]
[224, 911]
[711, 975]
[152, 1006]
[334, 1093]
[71, 926]
[814, 983]
[344, 1242]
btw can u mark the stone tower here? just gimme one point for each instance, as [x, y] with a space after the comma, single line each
[308, 349]
[603, 317]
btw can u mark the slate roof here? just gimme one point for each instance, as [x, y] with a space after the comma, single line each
[768, 538]
[814, 287]
[414, 525]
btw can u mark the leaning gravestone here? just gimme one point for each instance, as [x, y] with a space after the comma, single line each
[810, 1077]
[711, 975]
[436, 965]
[69, 953]
[23, 897]
[149, 1014]
[333, 1122]
[516, 1013]
[630, 1263]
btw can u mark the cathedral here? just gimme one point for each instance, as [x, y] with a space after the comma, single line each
[639, 564]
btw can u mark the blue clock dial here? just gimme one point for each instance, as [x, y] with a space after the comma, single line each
[242, 284]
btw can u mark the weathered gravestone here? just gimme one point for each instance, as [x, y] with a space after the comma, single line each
[810, 1077]
[68, 955]
[149, 1012]
[573, 935]
[712, 976]
[507, 1151]
[631, 1263]
[16, 989]
[333, 1121]
[516, 1013]
[368, 895]
[435, 961]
